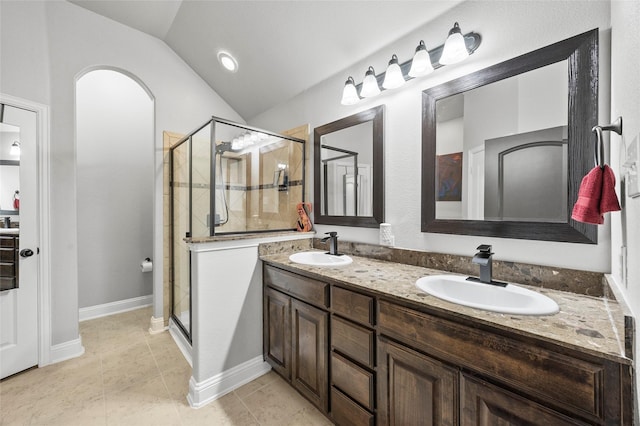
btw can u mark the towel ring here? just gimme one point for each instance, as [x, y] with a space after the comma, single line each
[598, 155]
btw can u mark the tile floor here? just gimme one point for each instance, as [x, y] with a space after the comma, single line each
[129, 377]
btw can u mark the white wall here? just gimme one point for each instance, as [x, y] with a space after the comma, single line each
[508, 29]
[45, 47]
[114, 151]
[625, 102]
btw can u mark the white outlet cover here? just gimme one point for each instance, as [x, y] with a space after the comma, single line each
[632, 164]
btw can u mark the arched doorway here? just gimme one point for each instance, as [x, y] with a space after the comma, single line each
[115, 186]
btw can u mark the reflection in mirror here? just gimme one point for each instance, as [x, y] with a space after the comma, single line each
[9, 171]
[498, 163]
[348, 170]
[344, 192]
[505, 148]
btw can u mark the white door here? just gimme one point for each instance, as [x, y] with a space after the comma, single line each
[475, 206]
[19, 306]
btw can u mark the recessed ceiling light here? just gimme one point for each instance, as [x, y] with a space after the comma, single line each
[228, 61]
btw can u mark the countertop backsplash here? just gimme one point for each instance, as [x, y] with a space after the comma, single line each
[570, 280]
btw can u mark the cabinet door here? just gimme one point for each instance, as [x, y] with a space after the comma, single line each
[277, 331]
[484, 404]
[309, 329]
[414, 389]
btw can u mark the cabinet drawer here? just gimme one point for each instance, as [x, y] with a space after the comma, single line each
[8, 241]
[352, 380]
[306, 289]
[7, 269]
[7, 254]
[352, 305]
[564, 381]
[7, 283]
[345, 412]
[352, 340]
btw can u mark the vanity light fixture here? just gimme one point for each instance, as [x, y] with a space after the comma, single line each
[455, 49]
[421, 62]
[349, 93]
[15, 148]
[369, 84]
[393, 78]
[228, 61]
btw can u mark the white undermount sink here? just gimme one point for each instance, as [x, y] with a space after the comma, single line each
[511, 299]
[320, 258]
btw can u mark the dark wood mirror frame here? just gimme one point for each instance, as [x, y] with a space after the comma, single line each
[581, 52]
[376, 115]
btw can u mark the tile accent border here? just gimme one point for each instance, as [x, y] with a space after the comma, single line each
[202, 393]
[571, 280]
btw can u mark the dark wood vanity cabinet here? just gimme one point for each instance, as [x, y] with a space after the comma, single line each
[9, 261]
[296, 332]
[502, 378]
[414, 389]
[484, 404]
[277, 331]
[353, 353]
[365, 359]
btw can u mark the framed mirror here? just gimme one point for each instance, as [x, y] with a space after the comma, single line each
[504, 149]
[349, 170]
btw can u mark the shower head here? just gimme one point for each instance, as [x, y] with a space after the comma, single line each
[224, 147]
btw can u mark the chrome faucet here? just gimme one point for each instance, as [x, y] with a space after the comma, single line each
[333, 242]
[7, 221]
[483, 258]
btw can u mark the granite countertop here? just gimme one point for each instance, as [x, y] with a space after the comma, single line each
[589, 324]
[247, 236]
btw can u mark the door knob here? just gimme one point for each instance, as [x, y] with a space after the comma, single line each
[26, 252]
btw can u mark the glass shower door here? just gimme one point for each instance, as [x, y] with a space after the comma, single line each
[180, 215]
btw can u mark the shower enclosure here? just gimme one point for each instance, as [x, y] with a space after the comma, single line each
[228, 179]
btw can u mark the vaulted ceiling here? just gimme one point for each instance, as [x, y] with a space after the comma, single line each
[282, 47]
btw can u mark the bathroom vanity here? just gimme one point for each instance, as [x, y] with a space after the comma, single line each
[9, 245]
[367, 347]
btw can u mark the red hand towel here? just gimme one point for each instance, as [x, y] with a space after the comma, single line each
[587, 208]
[609, 199]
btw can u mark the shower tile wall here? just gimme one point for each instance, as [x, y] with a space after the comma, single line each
[233, 174]
[274, 206]
[180, 250]
[201, 183]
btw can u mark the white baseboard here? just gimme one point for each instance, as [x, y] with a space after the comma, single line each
[181, 341]
[66, 350]
[156, 325]
[117, 307]
[202, 393]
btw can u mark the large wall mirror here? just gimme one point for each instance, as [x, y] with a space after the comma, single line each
[349, 170]
[505, 148]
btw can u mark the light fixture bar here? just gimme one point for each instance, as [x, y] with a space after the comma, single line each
[471, 40]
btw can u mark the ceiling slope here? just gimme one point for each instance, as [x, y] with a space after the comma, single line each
[282, 47]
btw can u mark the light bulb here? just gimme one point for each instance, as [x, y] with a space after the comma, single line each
[421, 62]
[349, 93]
[393, 78]
[370, 84]
[455, 49]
